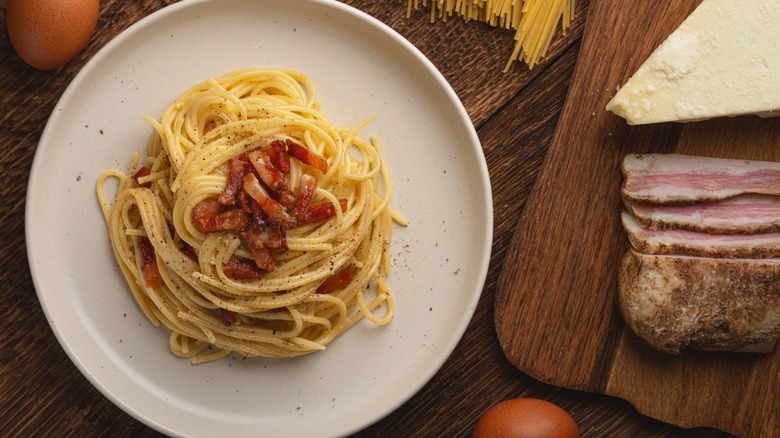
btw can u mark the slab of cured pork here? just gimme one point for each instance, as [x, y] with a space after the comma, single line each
[703, 270]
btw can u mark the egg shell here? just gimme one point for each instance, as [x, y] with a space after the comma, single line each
[526, 418]
[48, 33]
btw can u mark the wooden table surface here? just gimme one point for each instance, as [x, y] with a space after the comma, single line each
[515, 113]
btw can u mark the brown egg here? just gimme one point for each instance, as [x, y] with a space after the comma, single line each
[48, 33]
[526, 418]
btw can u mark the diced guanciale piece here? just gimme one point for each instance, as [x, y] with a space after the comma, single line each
[265, 236]
[149, 269]
[272, 177]
[263, 239]
[273, 209]
[306, 156]
[323, 210]
[259, 217]
[237, 170]
[264, 258]
[227, 220]
[266, 169]
[280, 156]
[142, 172]
[339, 280]
[308, 185]
[241, 269]
[205, 209]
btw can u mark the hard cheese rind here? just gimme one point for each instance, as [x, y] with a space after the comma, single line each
[723, 60]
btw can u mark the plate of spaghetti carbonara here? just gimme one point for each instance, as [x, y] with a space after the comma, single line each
[270, 216]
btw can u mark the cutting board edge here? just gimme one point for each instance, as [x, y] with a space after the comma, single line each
[503, 296]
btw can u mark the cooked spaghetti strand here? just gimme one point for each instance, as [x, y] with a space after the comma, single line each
[264, 271]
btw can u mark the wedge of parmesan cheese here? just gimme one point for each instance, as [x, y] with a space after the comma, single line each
[723, 60]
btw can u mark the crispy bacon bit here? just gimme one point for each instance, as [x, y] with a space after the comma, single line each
[339, 280]
[264, 258]
[287, 197]
[205, 209]
[268, 236]
[275, 211]
[323, 210]
[277, 238]
[272, 177]
[227, 220]
[259, 216]
[149, 268]
[265, 168]
[240, 268]
[307, 157]
[211, 216]
[280, 156]
[228, 317]
[263, 239]
[238, 168]
[306, 192]
[142, 172]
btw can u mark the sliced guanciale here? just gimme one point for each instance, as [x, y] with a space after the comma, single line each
[149, 269]
[338, 281]
[237, 170]
[140, 173]
[272, 177]
[273, 209]
[742, 214]
[210, 217]
[308, 185]
[263, 241]
[306, 156]
[323, 210]
[239, 268]
[280, 156]
[264, 258]
[694, 243]
[685, 179]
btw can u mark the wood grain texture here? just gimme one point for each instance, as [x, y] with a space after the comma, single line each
[732, 392]
[568, 241]
[43, 394]
[554, 307]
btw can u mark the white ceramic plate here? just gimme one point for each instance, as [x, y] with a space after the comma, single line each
[359, 67]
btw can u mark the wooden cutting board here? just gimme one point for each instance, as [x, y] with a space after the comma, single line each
[555, 310]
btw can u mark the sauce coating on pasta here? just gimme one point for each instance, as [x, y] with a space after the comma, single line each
[254, 225]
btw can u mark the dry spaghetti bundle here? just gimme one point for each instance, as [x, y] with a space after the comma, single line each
[534, 21]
